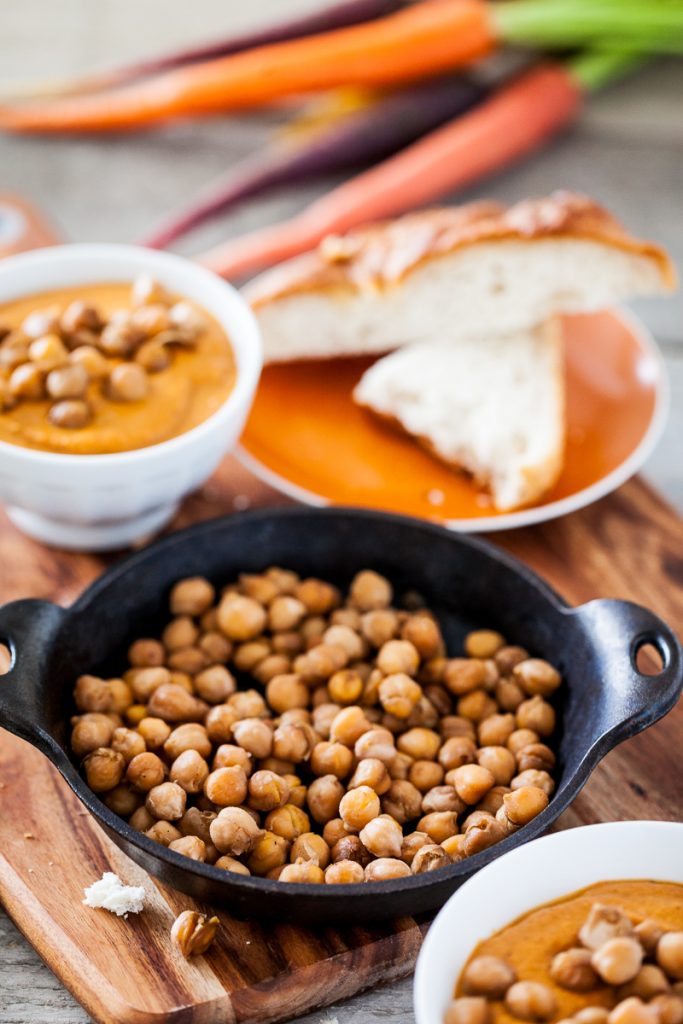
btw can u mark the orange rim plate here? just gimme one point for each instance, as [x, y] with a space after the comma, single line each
[306, 437]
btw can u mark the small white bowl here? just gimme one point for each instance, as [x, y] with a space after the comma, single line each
[543, 870]
[101, 502]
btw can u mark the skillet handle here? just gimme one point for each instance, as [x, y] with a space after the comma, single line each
[27, 628]
[620, 630]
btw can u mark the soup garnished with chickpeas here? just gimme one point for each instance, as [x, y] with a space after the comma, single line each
[608, 954]
[108, 368]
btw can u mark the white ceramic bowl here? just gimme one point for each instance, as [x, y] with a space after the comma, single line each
[543, 870]
[100, 502]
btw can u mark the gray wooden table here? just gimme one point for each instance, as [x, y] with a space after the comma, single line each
[627, 151]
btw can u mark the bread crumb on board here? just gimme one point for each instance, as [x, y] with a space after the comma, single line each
[109, 893]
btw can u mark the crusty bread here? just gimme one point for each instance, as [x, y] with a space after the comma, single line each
[494, 408]
[471, 272]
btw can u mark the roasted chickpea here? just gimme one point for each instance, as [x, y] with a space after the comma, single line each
[531, 1000]
[592, 1015]
[294, 741]
[90, 731]
[521, 738]
[472, 782]
[154, 731]
[268, 852]
[604, 923]
[104, 769]
[373, 773]
[351, 848]
[287, 691]
[379, 626]
[288, 821]
[531, 777]
[464, 675]
[488, 976]
[302, 872]
[122, 800]
[189, 846]
[166, 801]
[523, 804]
[670, 954]
[382, 836]
[496, 730]
[226, 787]
[536, 714]
[128, 742]
[648, 932]
[535, 757]
[141, 820]
[214, 684]
[348, 725]
[468, 1010]
[369, 590]
[618, 960]
[398, 657]
[127, 382]
[425, 775]
[323, 798]
[399, 695]
[376, 743]
[331, 759]
[536, 676]
[358, 807]
[240, 618]
[442, 798]
[483, 643]
[420, 743]
[146, 653]
[493, 799]
[197, 823]
[344, 872]
[267, 791]
[457, 751]
[633, 1011]
[476, 706]
[227, 863]
[190, 771]
[192, 596]
[163, 832]
[320, 662]
[668, 1008]
[509, 694]
[429, 858]
[253, 735]
[439, 825]
[650, 981]
[311, 847]
[174, 704]
[571, 969]
[234, 831]
[345, 687]
[318, 597]
[455, 725]
[499, 761]
[481, 835]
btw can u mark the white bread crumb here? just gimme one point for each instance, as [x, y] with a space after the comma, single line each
[109, 893]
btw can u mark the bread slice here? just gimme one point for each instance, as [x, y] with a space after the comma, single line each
[494, 408]
[472, 272]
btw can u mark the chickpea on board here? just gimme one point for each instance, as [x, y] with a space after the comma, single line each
[617, 970]
[281, 728]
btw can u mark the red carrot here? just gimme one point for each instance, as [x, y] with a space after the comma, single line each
[504, 128]
[425, 38]
[341, 15]
[359, 139]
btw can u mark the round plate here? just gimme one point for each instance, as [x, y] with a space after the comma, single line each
[306, 437]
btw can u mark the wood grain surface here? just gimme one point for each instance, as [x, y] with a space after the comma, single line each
[126, 970]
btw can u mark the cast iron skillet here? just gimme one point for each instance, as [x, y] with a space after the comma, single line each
[467, 582]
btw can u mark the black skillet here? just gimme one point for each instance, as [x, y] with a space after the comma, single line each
[467, 582]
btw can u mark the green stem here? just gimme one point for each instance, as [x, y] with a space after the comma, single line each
[582, 22]
[595, 69]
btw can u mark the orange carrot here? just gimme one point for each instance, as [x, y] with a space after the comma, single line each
[424, 39]
[517, 119]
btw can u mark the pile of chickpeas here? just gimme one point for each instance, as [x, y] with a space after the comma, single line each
[360, 750]
[59, 356]
[639, 965]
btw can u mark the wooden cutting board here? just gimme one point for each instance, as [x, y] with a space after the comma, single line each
[629, 545]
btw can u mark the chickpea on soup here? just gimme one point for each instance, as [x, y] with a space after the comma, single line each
[608, 954]
[107, 368]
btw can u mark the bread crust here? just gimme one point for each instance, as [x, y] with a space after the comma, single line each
[381, 255]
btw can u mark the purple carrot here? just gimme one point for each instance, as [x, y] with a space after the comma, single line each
[358, 140]
[341, 15]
